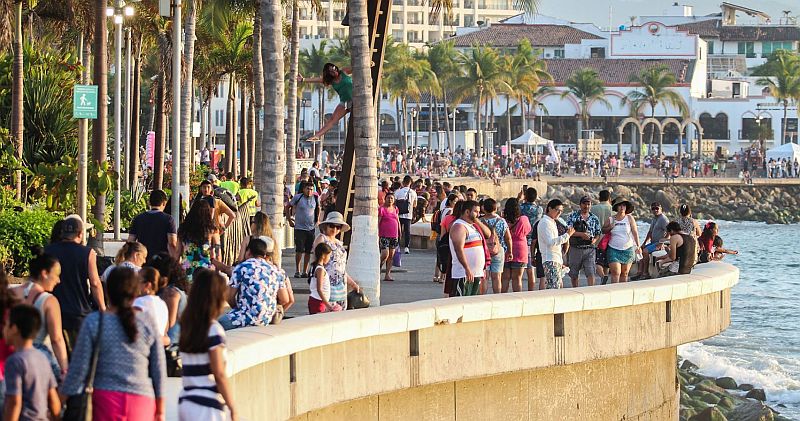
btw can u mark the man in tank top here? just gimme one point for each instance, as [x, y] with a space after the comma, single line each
[466, 249]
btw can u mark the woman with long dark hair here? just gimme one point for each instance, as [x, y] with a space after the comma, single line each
[129, 381]
[45, 272]
[342, 83]
[198, 238]
[519, 227]
[706, 241]
[206, 391]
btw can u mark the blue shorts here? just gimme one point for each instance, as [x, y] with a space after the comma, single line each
[497, 263]
[650, 248]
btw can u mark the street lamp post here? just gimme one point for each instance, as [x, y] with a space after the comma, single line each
[128, 107]
[118, 12]
[413, 114]
[314, 124]
[453, 146]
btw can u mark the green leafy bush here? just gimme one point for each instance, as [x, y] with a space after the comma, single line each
[19, 231]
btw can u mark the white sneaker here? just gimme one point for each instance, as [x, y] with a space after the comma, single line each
[406, 250]
[565, 271]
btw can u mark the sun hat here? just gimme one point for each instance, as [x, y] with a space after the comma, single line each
[336, 218]
[620, 201]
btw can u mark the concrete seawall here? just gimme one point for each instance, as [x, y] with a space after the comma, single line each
[599, 353]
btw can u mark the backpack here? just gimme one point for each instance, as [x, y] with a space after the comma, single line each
[226, 197]
[492, 242]
[404, 205]
[436, 222]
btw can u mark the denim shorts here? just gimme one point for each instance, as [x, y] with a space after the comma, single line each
[497, 263]
[516, 265]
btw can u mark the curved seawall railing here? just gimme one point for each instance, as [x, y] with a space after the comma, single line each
[594, 353]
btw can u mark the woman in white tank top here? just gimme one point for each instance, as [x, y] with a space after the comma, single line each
[624, 243]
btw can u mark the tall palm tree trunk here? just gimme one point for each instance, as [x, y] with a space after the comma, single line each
[294, 57]
[251, 123]
[406, 126]
[783, 125]
[430, 121]
[478, 137]
[508, 121]
[258, 82]
[438, 123]
[17, 116]
[187, 95]
[230, 130]
[244, 139]
[273, 158]
[135, 120]
[100, 126]
[363, 265]
[450, 140]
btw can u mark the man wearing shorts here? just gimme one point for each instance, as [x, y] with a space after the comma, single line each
[550, 244]
[582, 244]
[306, 210]
[656, 233]
[466, 248]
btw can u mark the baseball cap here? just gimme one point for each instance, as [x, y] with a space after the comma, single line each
[212, 178]
[586, 199]
[269, 242]
[72, 226]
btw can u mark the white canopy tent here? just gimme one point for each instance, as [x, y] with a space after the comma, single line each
[529, 138]
[788, 151]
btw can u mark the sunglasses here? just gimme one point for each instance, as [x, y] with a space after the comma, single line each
[335, 226]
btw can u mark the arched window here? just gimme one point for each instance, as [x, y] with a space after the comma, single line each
[388, 122]
[715, 127]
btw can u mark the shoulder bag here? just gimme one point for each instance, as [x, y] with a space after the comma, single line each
[79, 407]
[492, 243]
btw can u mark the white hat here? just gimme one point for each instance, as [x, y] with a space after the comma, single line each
[336, 218]
[268, 241]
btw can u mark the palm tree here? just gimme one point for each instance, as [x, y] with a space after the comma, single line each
[365, 228]
[230, 31]
[585, 85]
[187, 94]
[784, 82]
[17, 85]
[100, 125]
[655, 83]
[442, 59]
[273, 148]
[481, 77]
[524, 74]
[407, 78]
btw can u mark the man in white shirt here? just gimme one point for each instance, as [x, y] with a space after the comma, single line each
[466, 248]
[406, 201]
[550, 244]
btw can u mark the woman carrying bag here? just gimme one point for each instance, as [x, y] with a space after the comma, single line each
[128, 381]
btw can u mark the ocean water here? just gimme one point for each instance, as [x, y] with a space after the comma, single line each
[762, 344]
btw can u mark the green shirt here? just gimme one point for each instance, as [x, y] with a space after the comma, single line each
[344, 87]
[245, 195]
[231, 186]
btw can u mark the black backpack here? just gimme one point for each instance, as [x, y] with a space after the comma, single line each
[436, 222]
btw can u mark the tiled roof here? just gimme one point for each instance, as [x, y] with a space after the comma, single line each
[509, 35]
[714, 29]
[617, 72]
[706, 29]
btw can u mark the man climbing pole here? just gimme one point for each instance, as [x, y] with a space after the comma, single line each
[342, 83]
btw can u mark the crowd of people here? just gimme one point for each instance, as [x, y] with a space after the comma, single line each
[164, 304]
[481, 248]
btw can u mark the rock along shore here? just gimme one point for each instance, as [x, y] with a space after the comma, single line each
[770, 204]
[706, 398]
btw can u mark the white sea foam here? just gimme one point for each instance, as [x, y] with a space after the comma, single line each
[767, 373]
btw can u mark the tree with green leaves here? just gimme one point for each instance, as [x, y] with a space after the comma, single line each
[585, 85]
[783, 82]
[656, 88]
[407, 78]
[481, 78]
[442, 59]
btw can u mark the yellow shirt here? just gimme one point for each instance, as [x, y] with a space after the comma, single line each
[231, 186]
[245, 195]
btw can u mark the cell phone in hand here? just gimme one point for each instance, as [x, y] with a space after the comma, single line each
[524, 187]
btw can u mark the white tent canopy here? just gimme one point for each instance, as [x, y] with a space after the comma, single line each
[529, 138]
[788, 151]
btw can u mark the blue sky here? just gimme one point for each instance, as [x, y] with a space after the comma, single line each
[596, 11]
